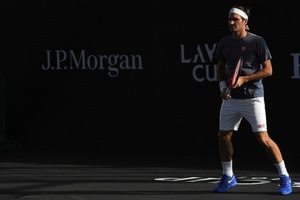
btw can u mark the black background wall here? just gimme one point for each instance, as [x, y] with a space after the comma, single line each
[163, 106]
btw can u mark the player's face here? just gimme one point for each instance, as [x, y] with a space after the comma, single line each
[236, 23]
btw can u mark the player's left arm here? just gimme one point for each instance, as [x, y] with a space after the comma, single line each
[266, 71]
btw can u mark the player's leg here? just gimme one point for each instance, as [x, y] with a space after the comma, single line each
[256, 116]
[230, 121]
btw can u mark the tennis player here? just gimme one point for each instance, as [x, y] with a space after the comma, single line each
[246, 99]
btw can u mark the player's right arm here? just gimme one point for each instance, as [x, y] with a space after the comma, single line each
[222, 79]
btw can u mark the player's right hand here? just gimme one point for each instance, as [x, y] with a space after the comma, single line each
[224, 95]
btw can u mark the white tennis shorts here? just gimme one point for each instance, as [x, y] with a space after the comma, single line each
[234, 110]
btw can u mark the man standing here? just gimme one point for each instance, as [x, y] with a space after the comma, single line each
[246, 97]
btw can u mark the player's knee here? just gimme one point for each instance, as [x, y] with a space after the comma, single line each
[224, 135]
[263, 138]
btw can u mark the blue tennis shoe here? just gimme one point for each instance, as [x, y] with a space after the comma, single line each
[225, 183]
[285, 186]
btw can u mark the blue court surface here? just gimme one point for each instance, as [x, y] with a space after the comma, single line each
[92, 176]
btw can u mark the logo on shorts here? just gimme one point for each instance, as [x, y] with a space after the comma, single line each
[261, 125]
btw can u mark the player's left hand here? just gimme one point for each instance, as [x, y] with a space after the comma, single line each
[239, 83]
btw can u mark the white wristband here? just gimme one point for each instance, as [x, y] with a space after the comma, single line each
[223, 85]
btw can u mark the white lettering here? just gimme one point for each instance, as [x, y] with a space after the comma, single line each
[83, 61]
[243, 180]
[206, 70]
[208, 73]
[296, 65]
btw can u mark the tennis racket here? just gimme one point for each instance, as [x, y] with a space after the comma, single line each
[236, 74]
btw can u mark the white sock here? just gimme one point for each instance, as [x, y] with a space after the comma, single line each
[227, 168]
[281, 169]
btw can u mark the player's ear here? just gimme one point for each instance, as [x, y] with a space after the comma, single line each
[246, 22]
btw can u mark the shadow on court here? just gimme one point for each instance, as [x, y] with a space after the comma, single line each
[92, 176]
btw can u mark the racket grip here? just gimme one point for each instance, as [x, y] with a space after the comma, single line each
[228, 90]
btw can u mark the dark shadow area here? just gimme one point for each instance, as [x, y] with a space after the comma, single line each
[92, 175]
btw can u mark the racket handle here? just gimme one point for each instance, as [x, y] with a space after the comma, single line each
[228, 90]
